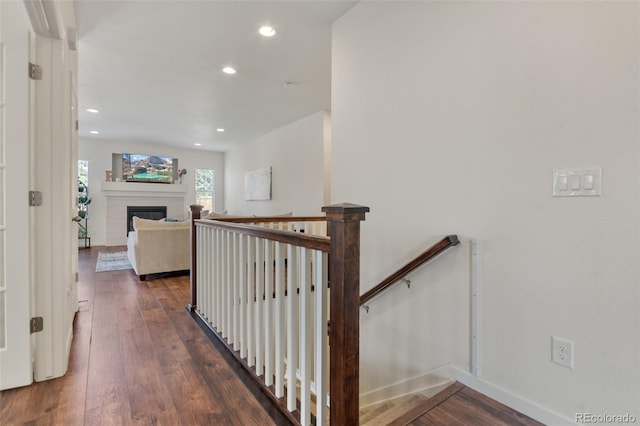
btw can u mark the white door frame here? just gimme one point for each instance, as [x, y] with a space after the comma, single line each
[55, 233]
[40, 151]
[15, 357]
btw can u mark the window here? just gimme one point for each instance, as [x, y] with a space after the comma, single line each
[205, 188]
[83, 200]
[83, 171]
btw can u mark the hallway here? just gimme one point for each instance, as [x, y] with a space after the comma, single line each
[137, 358]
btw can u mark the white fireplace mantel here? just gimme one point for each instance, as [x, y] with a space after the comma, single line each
[141, 189]
[119, 195]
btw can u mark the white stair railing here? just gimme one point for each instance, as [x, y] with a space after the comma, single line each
[267, 297]
[261, 285]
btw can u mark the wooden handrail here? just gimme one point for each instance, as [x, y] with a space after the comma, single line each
[269, 219]
[427, 255]
[288, 237]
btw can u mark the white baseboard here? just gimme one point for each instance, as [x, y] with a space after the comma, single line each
[517, 402]
[434, 379]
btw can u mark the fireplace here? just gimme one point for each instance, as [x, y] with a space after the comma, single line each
[144, 212]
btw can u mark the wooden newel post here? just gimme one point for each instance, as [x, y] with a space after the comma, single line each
[343, 227]
[193, 293]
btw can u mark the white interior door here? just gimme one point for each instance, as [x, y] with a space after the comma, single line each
[55, 177]
[73, 208]
[15, 341]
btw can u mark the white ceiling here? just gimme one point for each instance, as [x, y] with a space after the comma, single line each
[153, 68]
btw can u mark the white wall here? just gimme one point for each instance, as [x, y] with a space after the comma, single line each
[296, 155]
[98, 152]
[450, 120]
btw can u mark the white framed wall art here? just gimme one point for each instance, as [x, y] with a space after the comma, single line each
[257, 184]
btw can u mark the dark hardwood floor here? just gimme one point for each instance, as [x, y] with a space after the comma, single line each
[463, 407]
[138, 358]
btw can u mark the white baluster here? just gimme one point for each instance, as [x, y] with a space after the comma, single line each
[268, 313]
[199, 265]
[242, 282]
[251, 282]
[210, 272]
[225, 285]
[213, 257]
[305, 336]
[292, 325]
[217, 257]
[235, 293]
[279, 320]
[203, 276]
[223, 278]
[321, 339]
[259, 314]
[211, 276]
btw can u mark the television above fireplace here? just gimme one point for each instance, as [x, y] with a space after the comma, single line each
[147, 168]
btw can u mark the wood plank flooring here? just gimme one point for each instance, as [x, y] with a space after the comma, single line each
[138, 358]
[463, 407]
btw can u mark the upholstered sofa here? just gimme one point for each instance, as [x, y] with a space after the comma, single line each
[159, 246]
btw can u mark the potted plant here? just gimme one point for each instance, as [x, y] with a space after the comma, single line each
[83, 199]
[181, 172]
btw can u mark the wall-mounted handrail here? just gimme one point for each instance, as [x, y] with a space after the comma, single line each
[427, 255]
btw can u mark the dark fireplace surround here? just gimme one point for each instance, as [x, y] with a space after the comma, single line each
[144, 212]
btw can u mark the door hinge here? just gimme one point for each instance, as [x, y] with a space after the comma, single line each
[77, 277]
[35, 198]
[77, 125]
[35, 71]
[36, 324]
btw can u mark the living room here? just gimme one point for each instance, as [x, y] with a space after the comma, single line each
[278, 149]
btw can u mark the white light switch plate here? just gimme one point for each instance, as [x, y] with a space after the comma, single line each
[585, 182]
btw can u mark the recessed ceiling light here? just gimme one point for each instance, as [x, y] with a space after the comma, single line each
[197, 144]
[229, 70]
[267, 31]
[94, 132]
[220, 129]
[92, 110]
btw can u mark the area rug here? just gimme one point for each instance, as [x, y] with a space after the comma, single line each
[112, 261]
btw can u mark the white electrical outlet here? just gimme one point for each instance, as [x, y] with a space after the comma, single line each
[562, 351]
